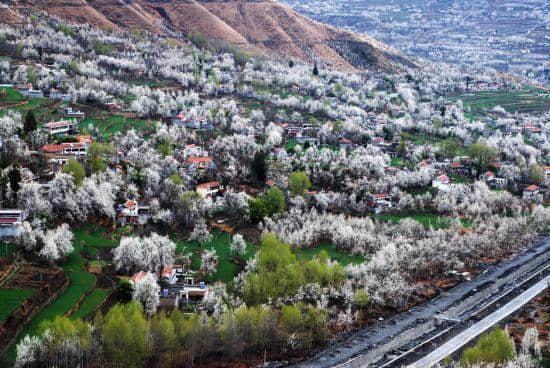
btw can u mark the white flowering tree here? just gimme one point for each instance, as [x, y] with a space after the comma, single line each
[200, 233]
[147, 291]
[57, 243]
[238, 246]
[128, 255]
[209, 262]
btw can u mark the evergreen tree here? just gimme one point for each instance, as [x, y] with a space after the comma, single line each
[30, 122]
[15, 178]
[259, 166]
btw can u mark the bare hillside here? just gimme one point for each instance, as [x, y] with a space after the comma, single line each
[267, 27]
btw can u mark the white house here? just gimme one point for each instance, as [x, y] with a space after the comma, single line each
[60, 127]
[131, 212]
[77, 114]
[532, 193]
[66, 149]
[32, 93]
[209, 189]
[58, 95]
[75, 149]
[442, 182]
[10, 222]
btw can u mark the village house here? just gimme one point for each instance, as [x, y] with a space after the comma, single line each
[179, 119]
[345, 143]
[210, 189]
[532, 193]
[381, 202]
[456, 167]
[198, 123]
[532, 131]
[178, 287]
[137, 277]
[58, 95]
[66, 149]
[10, 223]
[169, 274]
[193, 150]
[69, 112]
[28, 91]
[130, 212]
[63, 127]
[492, 180]
[303, 139]
[200, 163]
[442, 183]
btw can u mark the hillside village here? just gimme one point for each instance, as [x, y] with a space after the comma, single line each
[217, 188]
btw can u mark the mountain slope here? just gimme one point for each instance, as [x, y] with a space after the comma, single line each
[261, 27]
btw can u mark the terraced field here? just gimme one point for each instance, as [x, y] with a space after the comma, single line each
[527, 100]
[81, 283]
[90, 302]
[12, 299]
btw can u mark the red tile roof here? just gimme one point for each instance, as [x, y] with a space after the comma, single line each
[456, 165]
[167, 271]
[52, 148]
[138, 276]
[532, 188]
[57, 124]
[443, 178]
[197, 160]
[8, 220]
[209, 185]
[73, 145]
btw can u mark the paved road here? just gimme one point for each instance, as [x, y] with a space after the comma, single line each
[370, 344]
[472, 332]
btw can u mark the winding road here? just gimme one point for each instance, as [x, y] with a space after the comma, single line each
[389, 343]
[472, 332]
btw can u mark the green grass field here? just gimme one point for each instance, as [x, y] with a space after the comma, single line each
[80, 283]
[227, 269]
[333, 253]
[426, 219]
[529, 99]
[437, 222]
[12, 96]
[11, 299]
[109, 125]
[90, 303]
[6, 249]
[87, 236]
[95, 236]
